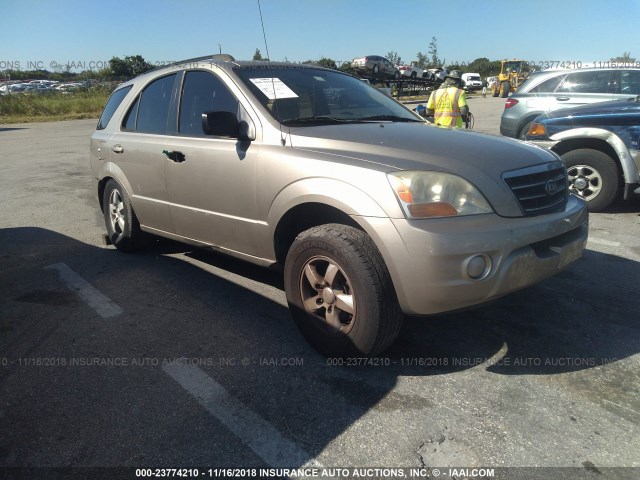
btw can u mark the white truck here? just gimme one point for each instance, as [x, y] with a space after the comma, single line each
[472, 81]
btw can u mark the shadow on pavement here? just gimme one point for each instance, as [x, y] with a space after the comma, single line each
[173, 307]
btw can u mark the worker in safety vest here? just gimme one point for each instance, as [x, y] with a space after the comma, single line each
[448, 104]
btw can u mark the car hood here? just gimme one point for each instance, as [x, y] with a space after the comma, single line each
[616, 107]
[419, 146]
[384, 146]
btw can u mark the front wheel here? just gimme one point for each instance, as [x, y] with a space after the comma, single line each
[594, 176]
[504, 89]
[340, 293]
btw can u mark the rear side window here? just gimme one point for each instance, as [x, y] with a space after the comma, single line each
[586, 82]
[112, 105]
[203, 92]
[153, 109]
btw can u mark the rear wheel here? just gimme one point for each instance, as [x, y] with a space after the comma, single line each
[594, 176]
[376, 69]
[396, 75]
[340, 293]
[504, 89]
[123, 227]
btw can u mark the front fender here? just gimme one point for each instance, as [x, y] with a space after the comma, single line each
[625, 158]
[335, 193]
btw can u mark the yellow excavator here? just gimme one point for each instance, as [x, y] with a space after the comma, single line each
[512, 74]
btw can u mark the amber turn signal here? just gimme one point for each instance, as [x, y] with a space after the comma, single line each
[434, 209]
[537, 130]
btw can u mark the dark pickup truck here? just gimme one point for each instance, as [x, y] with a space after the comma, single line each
[599, 145]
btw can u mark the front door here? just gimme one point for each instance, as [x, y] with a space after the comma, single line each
[211, 180]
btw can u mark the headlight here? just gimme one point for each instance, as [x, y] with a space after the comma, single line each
[436, 194]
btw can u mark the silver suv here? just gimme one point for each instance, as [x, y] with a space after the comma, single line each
[371, 212]
[551, 90]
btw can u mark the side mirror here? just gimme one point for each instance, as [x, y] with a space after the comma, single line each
[226, 124]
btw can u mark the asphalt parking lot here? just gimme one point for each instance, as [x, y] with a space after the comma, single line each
[177, 357]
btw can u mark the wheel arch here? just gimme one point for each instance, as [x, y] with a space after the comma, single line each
[316, 201]
[110, 171]
[523, 123]
[602, 140]
[302, 217]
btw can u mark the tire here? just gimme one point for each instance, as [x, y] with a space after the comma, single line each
[504, 89]
[340, 293]
[594, 176]
[414, 75]
[376, 69]
[396, 75]
[123, 227]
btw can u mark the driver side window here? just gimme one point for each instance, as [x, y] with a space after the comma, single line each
[202, 92]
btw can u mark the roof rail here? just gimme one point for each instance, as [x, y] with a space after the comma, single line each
[224, 57]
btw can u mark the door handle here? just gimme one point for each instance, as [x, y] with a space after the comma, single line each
[563, 99]
[176, 156]
[117, 149]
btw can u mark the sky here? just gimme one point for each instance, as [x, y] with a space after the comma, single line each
[87, 33]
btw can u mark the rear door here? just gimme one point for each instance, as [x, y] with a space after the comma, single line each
[580, 88]
[136, 148]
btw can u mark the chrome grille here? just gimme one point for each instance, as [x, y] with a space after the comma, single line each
[540, 189]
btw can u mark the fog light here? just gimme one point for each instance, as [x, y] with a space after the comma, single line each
[478, 267]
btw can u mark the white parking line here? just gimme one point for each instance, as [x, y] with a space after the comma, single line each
[92, 297]
[262, 437]
[602, 241]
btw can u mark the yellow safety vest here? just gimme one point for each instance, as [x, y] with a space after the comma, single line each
[446, 103]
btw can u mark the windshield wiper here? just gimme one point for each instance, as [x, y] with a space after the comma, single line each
[389, 118]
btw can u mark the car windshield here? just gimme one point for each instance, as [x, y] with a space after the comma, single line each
[300, 96]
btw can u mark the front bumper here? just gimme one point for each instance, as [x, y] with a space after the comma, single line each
[428, 259]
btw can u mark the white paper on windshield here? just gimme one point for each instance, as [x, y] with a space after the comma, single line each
[273, 88]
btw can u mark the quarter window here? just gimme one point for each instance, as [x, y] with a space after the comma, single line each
[548, 86]
[112, 105]
[155, 101]
[203, 92]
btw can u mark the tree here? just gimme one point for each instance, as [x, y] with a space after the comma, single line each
[484, 67]
[433, 51]
[258, 56]
[128, 67]
[421, 60]
[626, 58]
[347, 68]
[394, 58]
[327, 62]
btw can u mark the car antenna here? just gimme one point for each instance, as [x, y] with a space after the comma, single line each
[273, 85]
